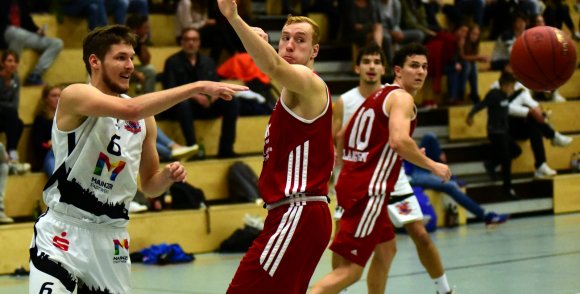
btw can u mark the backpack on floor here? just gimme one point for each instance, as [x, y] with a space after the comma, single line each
[242, 183]
[186, 196]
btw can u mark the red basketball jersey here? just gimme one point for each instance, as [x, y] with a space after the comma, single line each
[370, 165]
[298, 154]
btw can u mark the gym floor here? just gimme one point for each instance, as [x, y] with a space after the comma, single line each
[536, 254]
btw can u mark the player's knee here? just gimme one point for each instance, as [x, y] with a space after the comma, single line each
[422, 239]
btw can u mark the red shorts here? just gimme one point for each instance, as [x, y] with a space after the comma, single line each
[283, 258]
[362, 227]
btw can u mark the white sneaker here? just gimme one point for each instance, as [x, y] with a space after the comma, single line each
[557, 97]
[4, 219]
[184, 152]
[135, 207]
[544, 171]
[17, 168]
[561, 140]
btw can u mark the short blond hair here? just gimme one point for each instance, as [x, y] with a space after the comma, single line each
[315, 28]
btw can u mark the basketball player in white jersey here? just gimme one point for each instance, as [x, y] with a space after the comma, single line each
[370, 65]
[375, 139]
[298, 160]
[102, 139]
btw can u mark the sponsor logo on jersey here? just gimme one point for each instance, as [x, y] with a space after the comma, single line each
[354, 155]
[132, 126]
[103, 161]
[404, 207]
[120, 244]
[61, 242]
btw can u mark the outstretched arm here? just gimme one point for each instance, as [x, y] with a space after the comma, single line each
[295, 78]
[400, 109]
[78, 101]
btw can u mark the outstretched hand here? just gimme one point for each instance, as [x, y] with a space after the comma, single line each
[229, 8]
[175, 171]
[219, 90]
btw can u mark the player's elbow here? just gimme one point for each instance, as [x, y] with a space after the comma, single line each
[133, 112]
[397, 143]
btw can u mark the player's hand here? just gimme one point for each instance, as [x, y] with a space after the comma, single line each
[261, 33]
[441, 170]
[229, 8]
[202, 100]
[175, 172]
[218, 90]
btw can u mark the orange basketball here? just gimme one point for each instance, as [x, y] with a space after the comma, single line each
[543, 58]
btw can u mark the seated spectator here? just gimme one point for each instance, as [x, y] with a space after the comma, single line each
[18, 32]
[528, 121]
[187, 66]
[4, 219]
[425, 179]
[196, 15]
[10, 123]
[557, 13]
[42, 127]
[169, 150]
[390, 11]
[94, 10]
[120, 8]
[364, 25]
[259, 100]
[504, 148]
[144, 73]
[500, 56]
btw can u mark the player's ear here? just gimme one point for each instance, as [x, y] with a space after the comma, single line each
[397, 69]
[94, 61]
[357, 69]
[315, 50]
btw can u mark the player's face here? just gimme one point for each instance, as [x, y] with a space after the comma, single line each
[413, 72]
[190, 42]
[52, 98]
[118, 67]
[10, 64]
[370, 69]
[295, 44]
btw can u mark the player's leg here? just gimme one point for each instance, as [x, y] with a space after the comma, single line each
[345, 274]
[50, 278]
[380, 266]
[428, 255]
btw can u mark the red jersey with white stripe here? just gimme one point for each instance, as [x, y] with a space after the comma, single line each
[370, 165]
[298, 154]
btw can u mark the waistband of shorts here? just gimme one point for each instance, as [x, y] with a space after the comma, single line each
[399, 198]
[296, 199]
[82, 223]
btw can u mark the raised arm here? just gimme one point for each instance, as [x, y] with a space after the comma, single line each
[400, 109]
[78, 101]
[294, 77]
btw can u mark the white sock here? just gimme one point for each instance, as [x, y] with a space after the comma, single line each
[442, 284]
[13, 154]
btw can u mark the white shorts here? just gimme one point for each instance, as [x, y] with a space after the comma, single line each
[66, 252]
[404, 210]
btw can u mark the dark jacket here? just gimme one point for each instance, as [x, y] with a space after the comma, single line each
[26, 21]
[497, 103]
[179, 71]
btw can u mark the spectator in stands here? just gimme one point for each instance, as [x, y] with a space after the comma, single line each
[500, 56]
[94, 10]
[42, 127]
[364, 24]
[195, 14]
[390, 11]
[144, 73]
[456, 68]
[528, 121]
[4, 219]
[10, 123]
[469, 52]
[425, 179]
[120, 8]
[557, 13]
[503, 147]
[18, 31]
[187, 66]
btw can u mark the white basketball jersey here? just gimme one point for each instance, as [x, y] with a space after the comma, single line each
[97, 166]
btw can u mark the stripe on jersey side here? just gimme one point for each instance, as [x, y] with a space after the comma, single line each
[278, 243]
[369, 216]
[378, 183]
[297, 171]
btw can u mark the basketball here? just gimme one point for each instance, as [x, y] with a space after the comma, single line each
[543, 58]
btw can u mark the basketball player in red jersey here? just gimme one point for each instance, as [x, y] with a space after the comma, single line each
[298, 160]
[375, 139]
